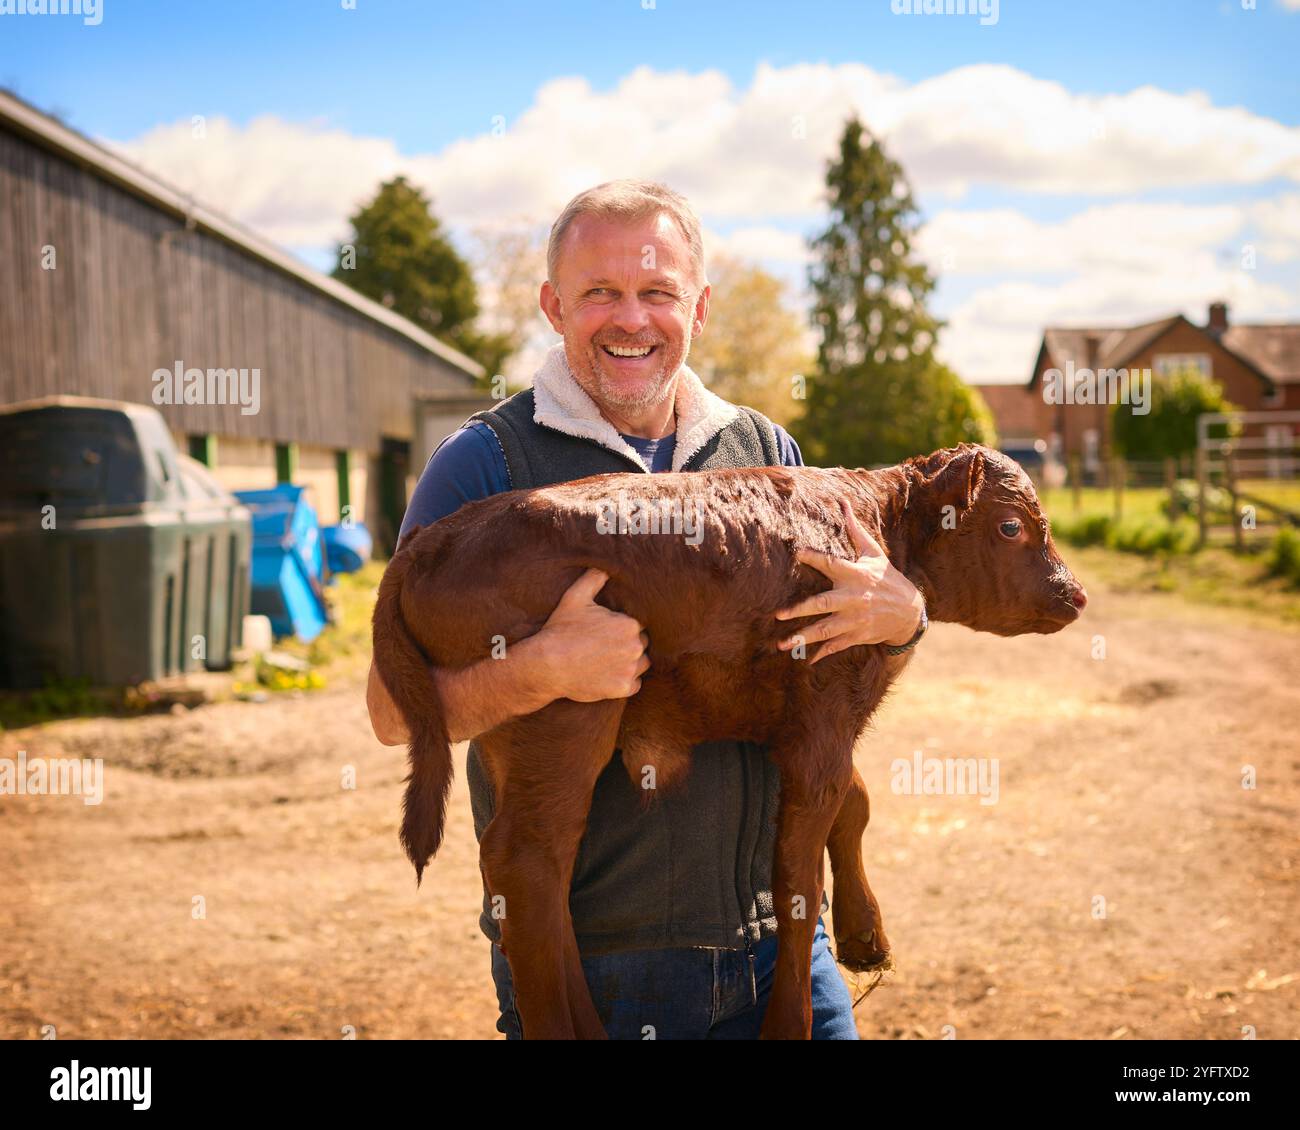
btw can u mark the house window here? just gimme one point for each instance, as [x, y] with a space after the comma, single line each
[1092, 450]
[1274, 399]
[1165, 363]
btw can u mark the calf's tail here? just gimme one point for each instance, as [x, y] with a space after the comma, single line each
[405, 673]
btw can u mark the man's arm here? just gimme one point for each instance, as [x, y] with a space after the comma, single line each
[474, 699]
[584, 652]
[466, 466]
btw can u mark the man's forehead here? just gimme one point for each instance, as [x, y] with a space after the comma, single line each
[653, 245]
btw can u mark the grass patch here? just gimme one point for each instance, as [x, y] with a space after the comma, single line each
[1283, 557]
[1212, 577]
[1148, 535]
[346, 641]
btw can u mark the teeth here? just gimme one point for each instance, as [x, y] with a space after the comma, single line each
[620, 351]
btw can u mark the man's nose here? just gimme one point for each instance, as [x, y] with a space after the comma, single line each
[630, 315]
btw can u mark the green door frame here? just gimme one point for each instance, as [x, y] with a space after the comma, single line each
[204, 449]
[343, 467]
[286, 462]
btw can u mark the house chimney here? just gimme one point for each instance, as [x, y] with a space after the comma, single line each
[1218, 318]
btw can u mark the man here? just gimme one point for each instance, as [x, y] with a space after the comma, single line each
[672, 907]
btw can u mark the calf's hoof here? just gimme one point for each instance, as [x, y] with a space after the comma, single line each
[864, 953]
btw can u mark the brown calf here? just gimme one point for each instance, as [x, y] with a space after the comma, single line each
[963, 524]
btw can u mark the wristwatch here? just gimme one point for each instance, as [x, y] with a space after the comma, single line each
[900, 648]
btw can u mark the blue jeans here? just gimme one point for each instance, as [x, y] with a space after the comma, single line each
[693, 994]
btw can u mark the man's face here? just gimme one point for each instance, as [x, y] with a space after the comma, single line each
[631, 288]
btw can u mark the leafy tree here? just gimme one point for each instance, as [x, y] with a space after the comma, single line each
[752, 348]
[400, 257]
[878, 395]
[1168, 431]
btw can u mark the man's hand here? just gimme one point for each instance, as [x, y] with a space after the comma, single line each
[872, 602]
[591, 652]
[583, 652]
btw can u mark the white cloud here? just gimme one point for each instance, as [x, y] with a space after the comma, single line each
[1278, 222]
[1120, 236]
[740, 155]
[763, 244]
[294, 184]
[994, 335]
[752, 160]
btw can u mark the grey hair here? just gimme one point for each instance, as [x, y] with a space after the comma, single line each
[629, 201]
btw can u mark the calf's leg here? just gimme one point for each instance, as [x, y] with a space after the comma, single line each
[544, 767]
[860, 941]
[811, 794]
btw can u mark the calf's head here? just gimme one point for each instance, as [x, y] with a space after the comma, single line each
[982, 545]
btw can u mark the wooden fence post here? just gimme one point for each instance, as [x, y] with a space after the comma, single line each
[1230, 471]
[1076, 486]
[1200, 498]
[1117, 474]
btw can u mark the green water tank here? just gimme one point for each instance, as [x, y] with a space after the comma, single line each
[121, 560]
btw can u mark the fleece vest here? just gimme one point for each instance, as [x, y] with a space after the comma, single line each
[695, 867]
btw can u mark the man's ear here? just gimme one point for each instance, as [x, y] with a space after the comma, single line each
[549, 300]
[701, 313]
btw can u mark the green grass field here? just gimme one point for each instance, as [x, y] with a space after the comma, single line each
[1142, 502]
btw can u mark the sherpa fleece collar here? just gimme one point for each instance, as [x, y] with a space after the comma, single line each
[560, 402]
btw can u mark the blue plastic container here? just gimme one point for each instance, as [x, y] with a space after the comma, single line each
[347, 548]
[288, 561]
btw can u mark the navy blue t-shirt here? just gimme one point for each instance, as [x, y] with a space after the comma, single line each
[469, 464]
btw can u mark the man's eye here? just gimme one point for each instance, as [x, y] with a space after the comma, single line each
[1010, 528]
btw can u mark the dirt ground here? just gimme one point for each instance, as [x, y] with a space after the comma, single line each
[1120, 779]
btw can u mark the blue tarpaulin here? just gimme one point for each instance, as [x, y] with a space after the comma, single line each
[288, 561]
[347, 548]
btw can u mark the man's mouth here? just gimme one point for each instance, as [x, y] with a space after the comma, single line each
[629, 352]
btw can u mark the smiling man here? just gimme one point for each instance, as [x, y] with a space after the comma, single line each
[672, 906]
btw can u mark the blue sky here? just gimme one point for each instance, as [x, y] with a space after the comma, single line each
[1197, 142]
[425, 72]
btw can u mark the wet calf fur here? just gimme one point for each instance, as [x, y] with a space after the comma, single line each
[964, 524]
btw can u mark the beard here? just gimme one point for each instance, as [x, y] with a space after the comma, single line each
[608, 389]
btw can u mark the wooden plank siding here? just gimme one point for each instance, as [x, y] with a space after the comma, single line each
[135, 291]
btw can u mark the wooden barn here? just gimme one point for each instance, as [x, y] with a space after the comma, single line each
[117, 286]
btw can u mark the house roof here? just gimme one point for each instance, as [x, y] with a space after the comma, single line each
[1103, 347]
[1272, 349]
[1020, 413]
[1272, 352]
[51, 134]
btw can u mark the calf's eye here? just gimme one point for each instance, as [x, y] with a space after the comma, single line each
[1010, 528]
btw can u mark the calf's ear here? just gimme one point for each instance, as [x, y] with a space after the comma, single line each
[958, 482]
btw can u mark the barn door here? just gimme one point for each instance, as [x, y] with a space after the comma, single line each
[394, 468]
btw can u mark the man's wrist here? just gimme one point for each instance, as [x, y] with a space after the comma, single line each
[472, 696]
[897, 646]
[534, 672]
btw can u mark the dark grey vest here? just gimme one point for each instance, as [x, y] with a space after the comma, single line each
[694, 869]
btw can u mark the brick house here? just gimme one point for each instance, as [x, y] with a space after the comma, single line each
[1257, 365]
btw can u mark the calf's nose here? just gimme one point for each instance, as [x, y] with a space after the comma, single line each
[1079, 599]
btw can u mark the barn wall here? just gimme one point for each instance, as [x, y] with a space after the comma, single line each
[132, 291]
